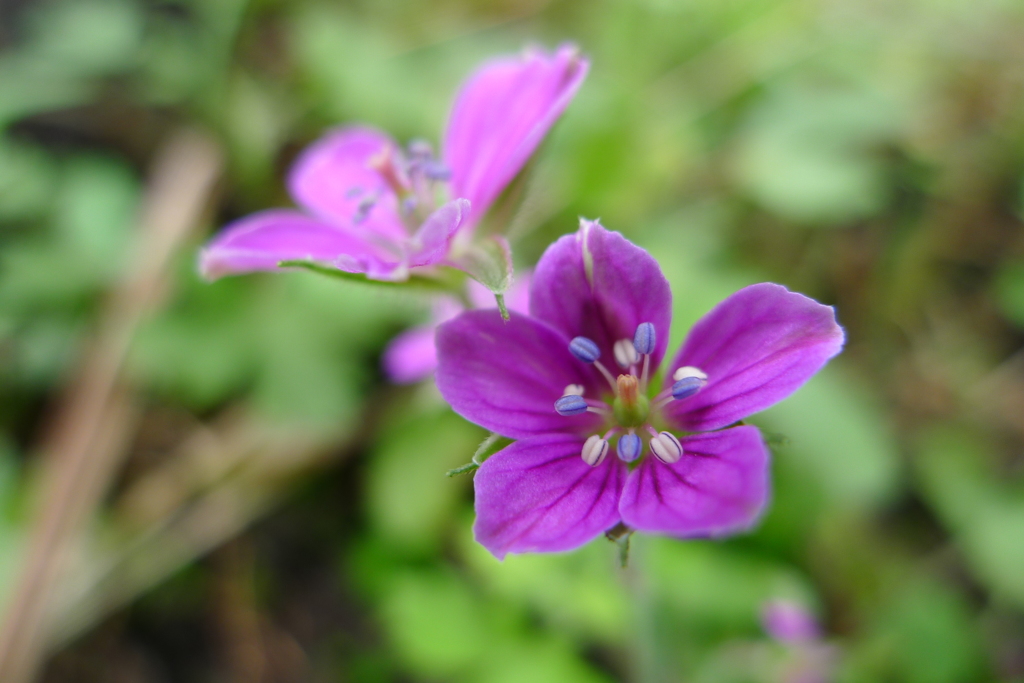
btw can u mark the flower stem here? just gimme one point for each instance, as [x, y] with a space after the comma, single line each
[646, 664]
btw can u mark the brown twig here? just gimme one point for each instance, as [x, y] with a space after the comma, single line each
[94, 419]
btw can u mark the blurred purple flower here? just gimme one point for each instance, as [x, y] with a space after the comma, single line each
[789, 622]
[370, 207]
[596, 297]
[809, 658]
[412, 356]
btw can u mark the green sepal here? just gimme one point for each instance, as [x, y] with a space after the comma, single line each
[620, 535]
[440, 283]
[489, 262]
[488, 447]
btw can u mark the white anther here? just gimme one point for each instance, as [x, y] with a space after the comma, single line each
[625, 353]
[666, 447]
[573, 390]
[689, 371]
[594, 450]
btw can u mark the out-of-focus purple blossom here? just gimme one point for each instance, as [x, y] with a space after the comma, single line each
[368, 206]
[411, 356]
[809, 659]
[789, 622]
[698, 472]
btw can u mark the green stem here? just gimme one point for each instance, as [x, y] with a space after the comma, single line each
[647, 665]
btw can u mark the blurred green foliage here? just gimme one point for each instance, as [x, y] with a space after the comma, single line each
[868, 154]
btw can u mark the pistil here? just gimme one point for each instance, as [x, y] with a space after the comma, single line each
[630, 406]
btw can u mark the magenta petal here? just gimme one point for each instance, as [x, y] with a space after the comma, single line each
[537, 495]
[332, 177]
[410, 356]
[435, 235]
[501, 115]
[623, 288]
[262, 240]
[718, 487]
[756, 347]
[506, 377]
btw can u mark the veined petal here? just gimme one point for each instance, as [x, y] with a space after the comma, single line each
[435, 235]
[332, 179]
[598, 284]
[719, 486]
[262, 240]
[537, 495]
[757, 347]
[501, 115]
[506, 377]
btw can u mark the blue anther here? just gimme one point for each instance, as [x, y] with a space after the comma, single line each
[409, 205]
[629, 447]
[571, 405]
[645, 338]
[435, 170]
[686, 387]
[584, 349]
[363, 210]
[420, 149]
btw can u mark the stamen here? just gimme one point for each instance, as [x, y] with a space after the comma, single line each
[594, 450]
[435, 170]
[625, 353]
[571, 405]
[573, 389]
[420, 149]
[629, 447]
[689, 371]
[353, 192]
[584, 349]
[687, 387]
[607, 375]
[385, 163]
[645, 338]
[587, 351]
[409, 205]
[666, 448]
[363, 210]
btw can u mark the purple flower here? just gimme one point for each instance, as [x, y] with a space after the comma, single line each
[789, 622]
[411, 356]
[681, 464]
[370, 207]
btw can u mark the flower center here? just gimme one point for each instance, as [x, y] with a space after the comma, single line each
[417, 178]
[631, 412]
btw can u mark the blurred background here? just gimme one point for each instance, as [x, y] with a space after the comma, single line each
[214, 482]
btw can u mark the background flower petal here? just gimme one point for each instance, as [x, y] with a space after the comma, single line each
[435, 235]
[624, 287]
[757, 347]
[410, 356]
[719, 486]
[506, 377]
[501, 115]
[537, 495]
[262, 240]
[332, 177]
